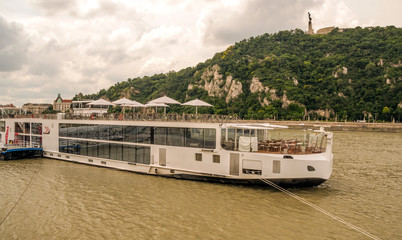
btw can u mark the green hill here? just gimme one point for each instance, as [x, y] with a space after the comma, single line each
[348, 73]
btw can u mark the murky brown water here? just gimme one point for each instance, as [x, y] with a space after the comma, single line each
[72, 201]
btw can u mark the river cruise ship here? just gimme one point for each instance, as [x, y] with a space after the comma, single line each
[207, 150]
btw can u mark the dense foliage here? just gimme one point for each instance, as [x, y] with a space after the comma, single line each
[351, 73]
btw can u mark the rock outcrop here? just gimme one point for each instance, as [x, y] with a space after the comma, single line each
[212, 81]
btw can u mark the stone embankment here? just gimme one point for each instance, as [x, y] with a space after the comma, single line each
[344, 126]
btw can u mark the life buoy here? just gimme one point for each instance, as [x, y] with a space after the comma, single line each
[121, 117]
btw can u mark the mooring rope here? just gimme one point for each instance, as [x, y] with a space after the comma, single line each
[320, 209]
[8, 214]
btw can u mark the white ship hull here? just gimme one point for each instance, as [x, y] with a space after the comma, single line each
[211, 162]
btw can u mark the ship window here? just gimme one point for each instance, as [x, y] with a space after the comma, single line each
[73, 147]
[19, 127]
[27, 127]
[129, 153]
[116, 151]
[216, 158]
[36, 141]
[83, 147]
[195, 137]
[144, 134]
[2, 126]
[209, 138]
[160, 135]
[92, 149]
[143, 155]
[72, 130]
[83, 131]
[175, 137]
[37, 128]
[228, 138]
[116, 133]
[62, 145]
[198, 157]
[93, 131]
[104, 132]
[103, 150]
[62, 130]
[130, 134]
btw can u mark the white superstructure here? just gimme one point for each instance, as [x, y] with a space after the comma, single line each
[223, 152]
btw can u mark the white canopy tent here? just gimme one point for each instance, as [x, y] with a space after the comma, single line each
[197, 103]
[102, 109]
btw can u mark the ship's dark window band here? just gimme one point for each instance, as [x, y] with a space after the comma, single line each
[115, 151]
[182, 137]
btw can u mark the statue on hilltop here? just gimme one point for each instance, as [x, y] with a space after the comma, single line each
[310, 25]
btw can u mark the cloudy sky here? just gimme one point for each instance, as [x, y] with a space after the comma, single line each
[70, 46]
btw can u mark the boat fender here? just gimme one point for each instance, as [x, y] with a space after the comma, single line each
[92, 117]
[121, 117]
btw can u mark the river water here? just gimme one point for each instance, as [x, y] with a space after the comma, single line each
[73, 201]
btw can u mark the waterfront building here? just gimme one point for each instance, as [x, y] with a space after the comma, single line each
[62, 105]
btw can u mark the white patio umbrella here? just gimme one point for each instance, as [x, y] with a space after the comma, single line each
[124, 102]
[197, 103]
[165, 100]
[156, 105]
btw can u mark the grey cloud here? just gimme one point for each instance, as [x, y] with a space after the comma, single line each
[257, 17]
[47, 60]
[53, 7]
[72, 8]
[109, 55]
[13, 46]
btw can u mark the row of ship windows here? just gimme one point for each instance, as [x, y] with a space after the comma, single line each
[24, 127]
[115, 151]
[183, 137]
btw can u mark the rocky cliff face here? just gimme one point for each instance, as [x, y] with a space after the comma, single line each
[212, 81]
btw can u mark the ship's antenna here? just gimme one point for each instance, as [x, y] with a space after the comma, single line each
[362, 231]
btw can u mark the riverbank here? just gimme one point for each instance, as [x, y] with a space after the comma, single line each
[344, 126]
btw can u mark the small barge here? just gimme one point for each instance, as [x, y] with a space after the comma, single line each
[17, 151]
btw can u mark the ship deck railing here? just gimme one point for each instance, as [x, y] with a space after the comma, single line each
[22, 144]
[170, 117]
[288, 147]
[278, 147]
